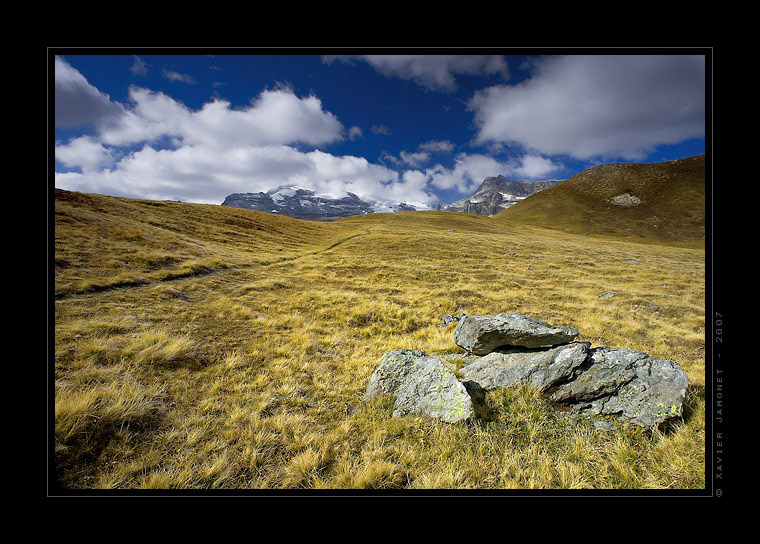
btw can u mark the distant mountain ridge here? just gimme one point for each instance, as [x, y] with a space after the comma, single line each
[300, 203]
[661, 198]
[496, 194]
[492, 196]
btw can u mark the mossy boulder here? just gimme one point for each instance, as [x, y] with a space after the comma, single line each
[628, 383]
[421, 384]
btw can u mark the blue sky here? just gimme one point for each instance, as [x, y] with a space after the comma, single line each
[424, 129]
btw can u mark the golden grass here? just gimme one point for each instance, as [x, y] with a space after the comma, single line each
[251, 373]
[672, 208]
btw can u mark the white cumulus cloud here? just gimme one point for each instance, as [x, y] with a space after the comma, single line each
[415, 159]
[176, 76]
[437, 146]
[156, 147]
[77, 102]
[275, 117]
[435, 72]
[468, 172]
[139, 68]
[201, 173]
[354, 133]
[533, 167]
[589, 106]
[84, 153]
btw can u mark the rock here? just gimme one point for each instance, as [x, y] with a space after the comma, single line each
[602, 425]
[478, 396]
[579, 380]
[607, 371]
[483, 334]
[448, 319]
[177, 293]
[421, 384]
[607, 294]
[539, 368]
[625, 200]
[646, 391]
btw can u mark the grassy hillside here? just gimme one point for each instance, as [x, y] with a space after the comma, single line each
[201, 347]
[672, 209]
[104, 242]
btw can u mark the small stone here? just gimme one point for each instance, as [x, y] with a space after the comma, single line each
[608, 294]
[602, 425]
[448, 319]
[177, 293]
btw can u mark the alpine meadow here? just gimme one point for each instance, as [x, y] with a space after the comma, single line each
[207, 347]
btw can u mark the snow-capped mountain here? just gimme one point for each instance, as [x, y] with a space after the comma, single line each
[496, 194]
[302, 203]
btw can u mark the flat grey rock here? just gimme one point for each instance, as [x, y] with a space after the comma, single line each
[539, 368]
[483, 334]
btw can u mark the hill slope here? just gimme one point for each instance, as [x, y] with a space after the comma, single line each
[203, 347]
[104, 241]
[671, 209]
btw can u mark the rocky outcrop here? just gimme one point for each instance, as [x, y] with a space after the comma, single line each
[506, 350]
[625, 200]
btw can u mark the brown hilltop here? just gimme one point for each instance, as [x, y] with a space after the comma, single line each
[650, 203]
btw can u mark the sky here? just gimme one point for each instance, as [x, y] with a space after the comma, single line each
[421, 129]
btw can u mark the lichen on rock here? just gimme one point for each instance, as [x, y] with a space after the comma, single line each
[602, 381]
[421, 384]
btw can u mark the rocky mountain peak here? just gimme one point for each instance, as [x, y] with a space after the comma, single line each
[300, 203]
[492, 196]
[496, 194]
